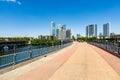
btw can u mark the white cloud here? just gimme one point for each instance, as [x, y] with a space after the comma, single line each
[11, 0]
[19, 2]
[14, 1]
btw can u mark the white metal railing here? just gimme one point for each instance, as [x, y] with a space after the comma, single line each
[11, 59]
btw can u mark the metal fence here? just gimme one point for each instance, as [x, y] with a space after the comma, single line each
[27, 53]
[114, 49]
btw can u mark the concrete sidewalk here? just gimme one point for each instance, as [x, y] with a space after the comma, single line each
[112, 60]
[85, 64]
[76, 62]
[12, 75]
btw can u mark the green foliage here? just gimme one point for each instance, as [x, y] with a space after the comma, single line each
[92, 39]
[26, 39]
[73, 38]
[82, 39]
[95, 39]
[44, 42]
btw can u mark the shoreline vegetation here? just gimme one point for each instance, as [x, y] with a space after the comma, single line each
[12, 45]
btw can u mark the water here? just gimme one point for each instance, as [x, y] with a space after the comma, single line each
[26, 53]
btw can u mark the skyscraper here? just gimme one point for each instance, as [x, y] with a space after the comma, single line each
[60, 33]
[87, 31]
[57, 33]
[106, 30]
[91, 30]
[95, 30]
[64, 28]
[52, 29]
[68, 34]
[78, 36]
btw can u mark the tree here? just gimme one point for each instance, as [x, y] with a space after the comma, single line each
[73, 38]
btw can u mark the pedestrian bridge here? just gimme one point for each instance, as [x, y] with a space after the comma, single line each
[79, 61]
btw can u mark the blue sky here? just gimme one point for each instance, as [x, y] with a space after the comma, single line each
[33, 17]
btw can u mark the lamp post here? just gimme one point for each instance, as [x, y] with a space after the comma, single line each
[29, 48]
[61, 43]
[14, 46]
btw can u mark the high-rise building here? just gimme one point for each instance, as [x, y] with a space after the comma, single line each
[100, 34]
[91, 30]
[87, 31]
[68, 34]
[62, 33]
[52, 29]
[95, 30]
[106, 30]
[64, 28]
[112, 34]
[78, 36]
[57, 33]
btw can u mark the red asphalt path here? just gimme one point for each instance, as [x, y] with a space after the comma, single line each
[112, 60]
[46, 70]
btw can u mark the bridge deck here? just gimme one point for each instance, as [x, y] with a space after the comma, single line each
[79, 61]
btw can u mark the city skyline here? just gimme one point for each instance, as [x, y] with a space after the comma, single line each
[106, 30]
[23, 18]
[52, 29]
[91, 30]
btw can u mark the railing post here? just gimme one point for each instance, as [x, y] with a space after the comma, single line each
[14, 55]
[119, 50]
[30, 51]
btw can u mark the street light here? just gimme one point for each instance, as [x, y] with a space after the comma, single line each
[61, 42]
[29, 48]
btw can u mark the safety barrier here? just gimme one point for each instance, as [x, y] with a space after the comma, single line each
[114, 49]
[28, 53]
